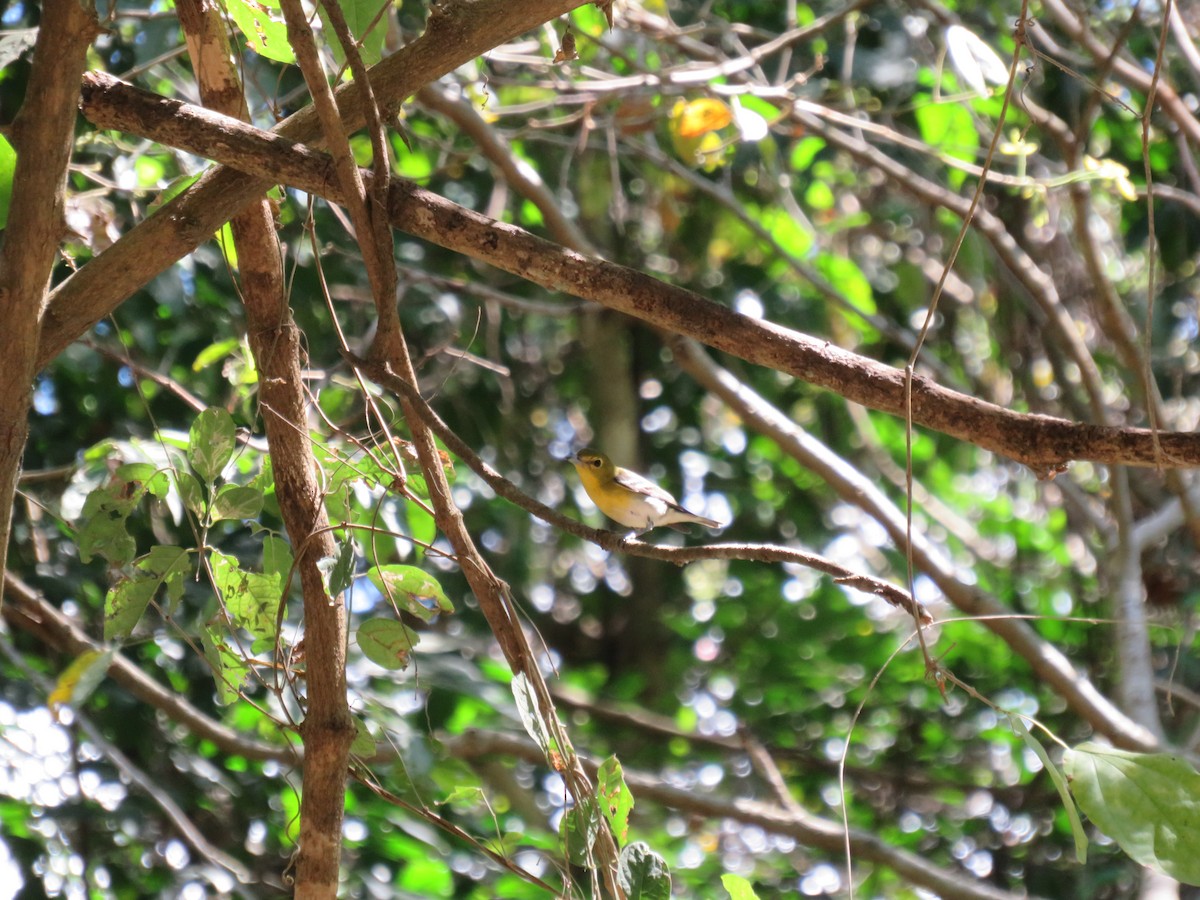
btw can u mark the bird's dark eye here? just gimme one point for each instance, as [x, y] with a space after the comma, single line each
[596, 463]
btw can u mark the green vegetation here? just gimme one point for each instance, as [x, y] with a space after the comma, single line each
[304, 594]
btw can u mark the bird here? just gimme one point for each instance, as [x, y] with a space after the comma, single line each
[629, 499]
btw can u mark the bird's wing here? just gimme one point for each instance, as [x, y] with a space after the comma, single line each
[644, 486]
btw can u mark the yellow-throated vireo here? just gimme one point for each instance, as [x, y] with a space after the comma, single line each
[629, 499]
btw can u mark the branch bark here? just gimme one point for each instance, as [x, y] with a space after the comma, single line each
[328, 728]
[456, 33]
[42, 135]
[1044, 443]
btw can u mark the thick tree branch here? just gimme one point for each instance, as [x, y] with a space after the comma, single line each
[328, 728]
[456, 33]
[1043, 443]
[42, 135]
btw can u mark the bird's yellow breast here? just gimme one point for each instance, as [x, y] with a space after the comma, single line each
[619, 503]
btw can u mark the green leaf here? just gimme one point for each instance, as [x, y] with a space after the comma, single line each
[171, 191]
[211, 442]
[215, 353]
[407, 586]
[8, 166]
[643, 874]
[360, 15]
[1149, 803]
[230, 671]
[579, 829]
[1060, 784]
[421, 525]
[949, 128]
[738, 887]
[146, 477]
[102, 523]
[251, 599]
[614, 796]
[192, 494]
[127, 600]
[338, 571]
[805, 152]
[277, 558]
[791, 236]
[531, 718]
[236, 502]
[386, 642]
[465, 795]
[263, 27]
[850, 280]
[363, 744]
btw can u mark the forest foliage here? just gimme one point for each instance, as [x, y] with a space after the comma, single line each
[302, 592]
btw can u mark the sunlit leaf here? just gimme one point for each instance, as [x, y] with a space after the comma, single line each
[211, 442]
[8, 165]
[738, 887]
[102, 523]
[235, 501]
[14, 42]
[415, 590]
[367, 21]
[251, 599]
[79, 679]
[950, 129]
[262, 25]
[614, 796]
[215, 353]
[976, 62]
[1149, 803]
[386, 642]
[127, 600]
[692, 119]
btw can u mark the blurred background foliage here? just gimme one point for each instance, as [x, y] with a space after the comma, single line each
[717, 185]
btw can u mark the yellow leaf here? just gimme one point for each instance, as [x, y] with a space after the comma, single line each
[690, 120]
[80, 679]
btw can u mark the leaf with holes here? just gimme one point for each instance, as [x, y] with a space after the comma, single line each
[414, 590]
[616, 801]
[251, 599]
[211, 442]
[128, 598]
